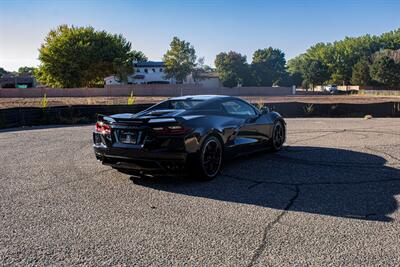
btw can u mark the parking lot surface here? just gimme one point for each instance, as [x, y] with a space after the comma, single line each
[330, 197]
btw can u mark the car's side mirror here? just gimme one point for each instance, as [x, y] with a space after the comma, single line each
[264, 110]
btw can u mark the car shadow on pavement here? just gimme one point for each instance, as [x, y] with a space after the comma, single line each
[316, 180]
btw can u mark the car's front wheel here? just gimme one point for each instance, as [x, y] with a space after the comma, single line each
[278, 136]
[210, 159]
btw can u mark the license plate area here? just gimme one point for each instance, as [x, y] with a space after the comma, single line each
[129, 136]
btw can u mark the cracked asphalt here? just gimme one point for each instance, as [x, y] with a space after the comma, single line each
[330, 197]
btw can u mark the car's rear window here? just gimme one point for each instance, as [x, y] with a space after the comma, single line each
[184, 104]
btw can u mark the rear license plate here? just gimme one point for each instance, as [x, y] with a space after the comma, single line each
[128, 137]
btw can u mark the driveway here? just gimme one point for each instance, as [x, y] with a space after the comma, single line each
[330, 197]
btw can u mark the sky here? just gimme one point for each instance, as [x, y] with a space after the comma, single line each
[211, 26]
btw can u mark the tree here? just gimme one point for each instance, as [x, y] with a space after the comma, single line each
[123, 68]
[81, 56]
[315, 72]
[232, 69]
[199, 70]
[360, 73]
[341, 57]
[26, 70]
[295, 68]
[296, 64]
[292, 79]
[2, 72]
[179, 60]
[137, 56]
[268, 66]
[386, 71]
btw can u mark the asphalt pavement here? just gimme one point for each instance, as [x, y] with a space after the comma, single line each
[330, 197]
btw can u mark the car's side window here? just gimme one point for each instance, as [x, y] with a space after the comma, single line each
[236, 107]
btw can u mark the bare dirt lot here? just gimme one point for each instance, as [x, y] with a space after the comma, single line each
[329, 198]
[62, 101]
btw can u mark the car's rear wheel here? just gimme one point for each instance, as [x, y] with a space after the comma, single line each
[210, 159]
[278, 136]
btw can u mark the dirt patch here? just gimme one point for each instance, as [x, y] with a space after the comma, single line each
[316, 99]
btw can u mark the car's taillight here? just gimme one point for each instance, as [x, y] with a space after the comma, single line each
[103, 128]
[171, 130]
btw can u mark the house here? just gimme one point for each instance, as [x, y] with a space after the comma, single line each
[152, 72]
[207, 79]
[111, 80]
[149, 72]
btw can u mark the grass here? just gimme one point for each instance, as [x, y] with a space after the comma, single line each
[44, 102]
[309, 108]
[131, 99]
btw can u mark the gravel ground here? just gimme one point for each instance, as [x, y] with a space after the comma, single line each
[330, 197]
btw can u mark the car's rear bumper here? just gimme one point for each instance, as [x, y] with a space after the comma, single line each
[142, 160]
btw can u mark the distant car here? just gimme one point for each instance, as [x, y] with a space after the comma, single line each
[188, 133]
[332, 88]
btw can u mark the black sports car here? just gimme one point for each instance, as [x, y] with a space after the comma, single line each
[187, 133]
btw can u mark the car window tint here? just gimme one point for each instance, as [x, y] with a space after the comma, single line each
[236, 107]
[184, 104]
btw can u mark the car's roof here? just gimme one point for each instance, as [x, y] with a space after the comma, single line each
[198, 97]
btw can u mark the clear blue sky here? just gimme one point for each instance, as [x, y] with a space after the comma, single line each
[212, 26]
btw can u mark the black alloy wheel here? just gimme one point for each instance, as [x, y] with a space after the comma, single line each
[210, 158]
[278, 136]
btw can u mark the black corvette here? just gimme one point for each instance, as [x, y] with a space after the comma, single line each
[186, 134]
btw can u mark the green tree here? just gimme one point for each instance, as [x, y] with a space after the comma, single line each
[179, 60]
[26, 70]
[81, 56]
[295, 68]
[2, 72]
[390, 40]
[268, 66]
[386, 71]
[122, 68]
[315, 72]
[138, 56]
[199, 71]
[340, 57]
[232, 69]
[360, 74]
[296, 64]
[292, 79]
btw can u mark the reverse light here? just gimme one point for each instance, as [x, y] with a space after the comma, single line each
[103, 128]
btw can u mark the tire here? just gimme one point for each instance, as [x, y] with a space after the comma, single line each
[209, 160]
[278, 136]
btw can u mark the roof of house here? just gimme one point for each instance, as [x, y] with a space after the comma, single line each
[149, 64]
